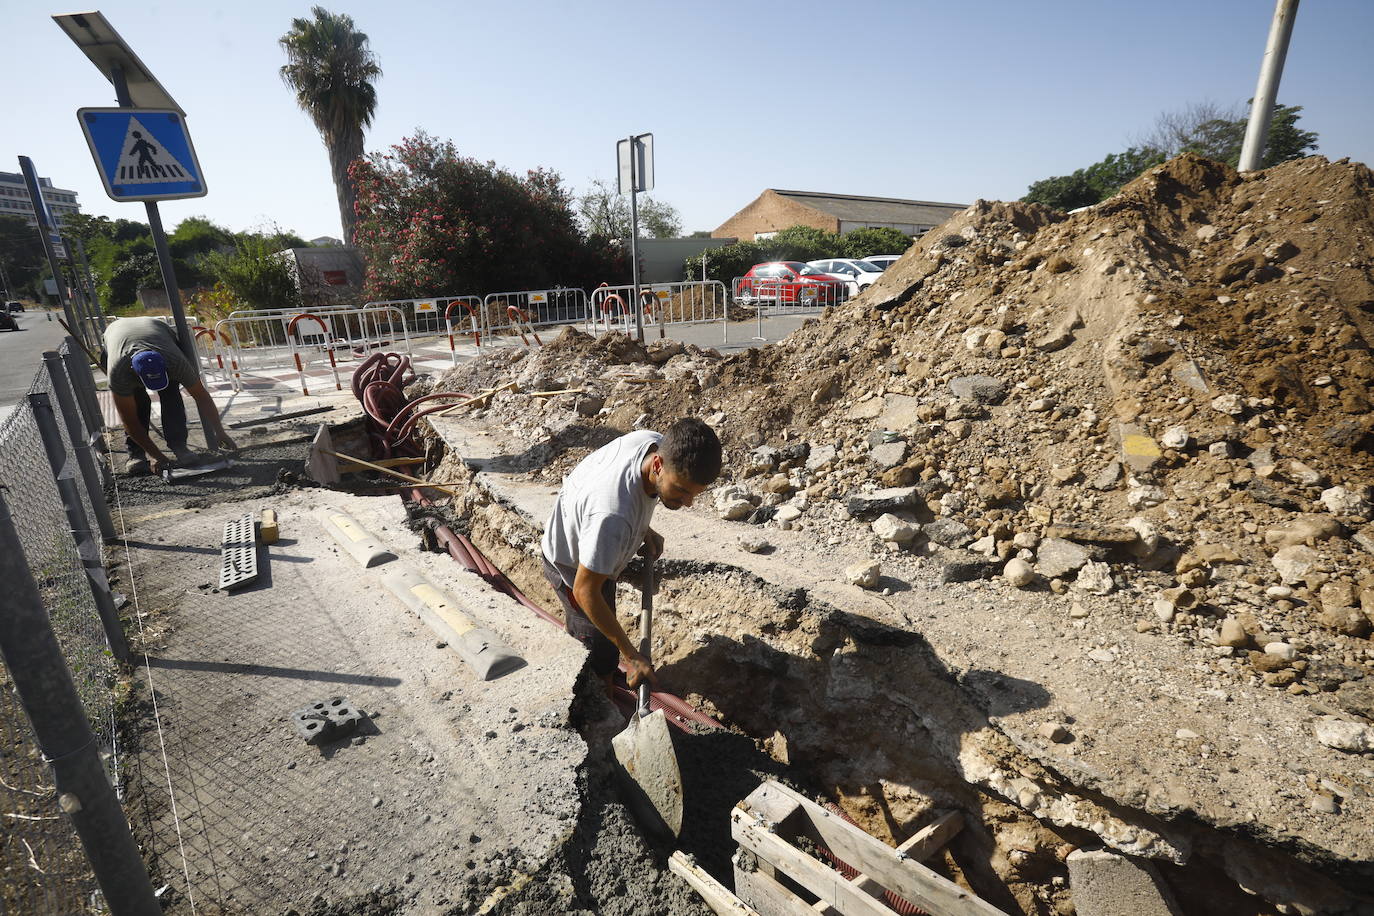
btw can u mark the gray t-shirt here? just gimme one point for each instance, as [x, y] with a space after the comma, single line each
[602, 513]
[126, 336]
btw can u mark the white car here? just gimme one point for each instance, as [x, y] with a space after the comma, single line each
[858, 275]
[883, 261]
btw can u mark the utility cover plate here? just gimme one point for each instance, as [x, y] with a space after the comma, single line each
[327, 720]
[238, 554]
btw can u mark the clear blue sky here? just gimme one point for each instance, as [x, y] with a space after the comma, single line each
[946, 101]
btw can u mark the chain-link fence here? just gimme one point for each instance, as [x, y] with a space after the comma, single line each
[42, 867]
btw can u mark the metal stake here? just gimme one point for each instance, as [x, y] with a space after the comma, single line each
[85, 461]
[83, 383]
[44, 683]
[634, 237]
[86, 547]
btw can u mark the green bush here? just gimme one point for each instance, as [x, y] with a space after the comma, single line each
[795, 243]
[865, 242]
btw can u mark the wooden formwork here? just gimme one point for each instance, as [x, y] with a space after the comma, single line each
[768, 825]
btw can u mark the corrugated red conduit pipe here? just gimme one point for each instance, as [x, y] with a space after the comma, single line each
[677, 711]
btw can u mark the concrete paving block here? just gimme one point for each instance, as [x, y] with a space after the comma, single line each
[360, 543]
[1107, 884]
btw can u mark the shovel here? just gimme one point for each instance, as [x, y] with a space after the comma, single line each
[173, 474]
[644, 749]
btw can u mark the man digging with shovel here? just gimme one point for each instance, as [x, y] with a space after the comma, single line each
[143, 356]
[601, 518]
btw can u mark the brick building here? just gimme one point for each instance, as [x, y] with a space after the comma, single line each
[774, 210]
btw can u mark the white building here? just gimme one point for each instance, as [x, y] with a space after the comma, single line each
[14, 198]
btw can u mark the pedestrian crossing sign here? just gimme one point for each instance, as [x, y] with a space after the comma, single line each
[142, 153]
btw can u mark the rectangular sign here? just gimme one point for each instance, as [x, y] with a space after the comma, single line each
[426, 305]
[540, 298]
[142, 153]
[643, 164]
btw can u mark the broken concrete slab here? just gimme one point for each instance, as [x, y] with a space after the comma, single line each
[1107, 884]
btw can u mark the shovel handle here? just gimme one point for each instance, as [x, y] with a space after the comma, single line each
[646, 629]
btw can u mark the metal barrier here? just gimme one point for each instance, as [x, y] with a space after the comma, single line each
[661, 305]
[211, 348]
[472, 305]
[783, 296]
[539, 308]
[60, 637]
[428, 316]
[281, 341]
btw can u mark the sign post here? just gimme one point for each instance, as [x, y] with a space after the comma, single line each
[635, 169]
[52, 245]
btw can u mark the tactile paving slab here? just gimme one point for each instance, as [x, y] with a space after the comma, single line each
[238, 554]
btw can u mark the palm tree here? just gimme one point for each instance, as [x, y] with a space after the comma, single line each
[331, 69]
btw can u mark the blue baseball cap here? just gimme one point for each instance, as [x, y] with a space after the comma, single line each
[151, 368]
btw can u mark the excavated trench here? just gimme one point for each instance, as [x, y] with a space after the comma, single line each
[865, 715]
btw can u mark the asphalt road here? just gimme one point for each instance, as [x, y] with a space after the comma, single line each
[21, 352]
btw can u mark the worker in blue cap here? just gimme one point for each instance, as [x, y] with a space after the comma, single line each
[143, 356]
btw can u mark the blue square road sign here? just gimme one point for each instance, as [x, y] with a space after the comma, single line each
[142, 153]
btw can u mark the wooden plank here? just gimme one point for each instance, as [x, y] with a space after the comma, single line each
[901, 875]
[715, 894]
[920, 846]
[763, 892]
[818, 878]
[770, 803]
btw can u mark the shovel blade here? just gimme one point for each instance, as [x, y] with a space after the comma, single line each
[652, 780]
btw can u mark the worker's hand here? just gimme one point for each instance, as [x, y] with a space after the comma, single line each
[159, 463]
[637, 668]
[653, 545]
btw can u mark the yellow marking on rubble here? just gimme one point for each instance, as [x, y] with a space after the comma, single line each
[350, 530]
[1140, 445]
[437, 603]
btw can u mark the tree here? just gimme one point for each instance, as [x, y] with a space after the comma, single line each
[606, 214]
[331, 69]
[255, 273]
[871, 240]
[22, 258]
[432, 222]
[1095, 183]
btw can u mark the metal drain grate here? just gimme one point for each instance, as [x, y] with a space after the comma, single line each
[238, 554]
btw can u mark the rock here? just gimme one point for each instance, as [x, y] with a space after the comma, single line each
[1305, 529]
[1347, 504]
[1281, 650]
[1347, 621]
[753, 544]
[1175, 437]
[1324, 804]
[1146, 495]
[1304, 475]
[1327, 675]
[1061, 335]
[1026, 540]
[959, 429]
[761, 515]
[1364, 538]
[1092, 534]
[948, 533]
[1108, 477]
[892, 499]
[889, 454]
[1351, 737]
[1263, 460]
[1018, 573]
[1233, 634]
[778, 483]
[1214, 554]
[899, 412]
[1147, 537]
[1230, 404]
[761, 460]
[1054, 731]
[1264, 493]
[1190, 375]
[1095, 578]
[985, 546]
[735, 509]
[1138, 451]
[889, 527]
[1338, 594]
[1278, 591]
[821, 456]
[1151, 350]
[982, 389]
[1186, 734]
[1222, 449]
[1102, 656]
[967, 569]
[1180, 598]
[590, 405]
[1057, 557]
[787, 514]
[864, 574]
[1106, 883]
[1164, 610]
[1294, 563]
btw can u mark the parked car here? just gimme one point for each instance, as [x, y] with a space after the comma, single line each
[858, 275]
[882, 261]
[13, 306]
[790, 283]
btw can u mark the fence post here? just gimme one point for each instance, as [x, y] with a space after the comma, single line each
[86, 547]
[85, 461]
[83, 384]
[44, 684]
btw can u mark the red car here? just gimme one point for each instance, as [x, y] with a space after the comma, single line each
[789, 283]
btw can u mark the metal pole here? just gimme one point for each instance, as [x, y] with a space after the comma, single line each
[86, 547]
[169, 277]
[1266, 92]
[83, 384]
[63, 734]
[634, 236]
[36, 198]
[90, 284]
[85, 461]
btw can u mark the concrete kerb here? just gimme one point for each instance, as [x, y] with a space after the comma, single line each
[481, 649]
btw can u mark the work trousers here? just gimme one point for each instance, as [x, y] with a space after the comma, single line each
[173, 418]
